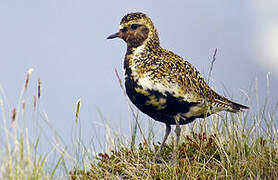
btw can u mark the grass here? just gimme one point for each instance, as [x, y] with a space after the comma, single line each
[227, 151]
[224, 146]
[19, 158]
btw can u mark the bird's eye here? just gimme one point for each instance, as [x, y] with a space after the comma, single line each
[134, 26]
[124, 29]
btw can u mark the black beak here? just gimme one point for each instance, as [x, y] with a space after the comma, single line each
[114, 36]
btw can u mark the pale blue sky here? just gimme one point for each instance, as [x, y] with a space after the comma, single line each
[65, 42]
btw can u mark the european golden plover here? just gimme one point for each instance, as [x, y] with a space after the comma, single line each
[162, 84]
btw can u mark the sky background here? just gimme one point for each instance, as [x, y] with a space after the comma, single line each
[65, 43]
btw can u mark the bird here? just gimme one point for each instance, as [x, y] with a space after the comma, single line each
[161, 83]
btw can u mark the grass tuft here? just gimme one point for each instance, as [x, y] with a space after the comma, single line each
[200, 156]
[223, 146]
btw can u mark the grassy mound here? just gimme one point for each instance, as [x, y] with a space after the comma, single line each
[200, 156]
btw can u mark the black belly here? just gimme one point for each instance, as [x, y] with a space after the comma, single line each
[172, 107]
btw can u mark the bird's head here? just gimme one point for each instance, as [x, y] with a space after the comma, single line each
[136, 29]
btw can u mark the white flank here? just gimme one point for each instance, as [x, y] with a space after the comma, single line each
[147, 83]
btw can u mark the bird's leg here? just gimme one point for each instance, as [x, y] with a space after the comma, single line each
[167, 132]
[178, 133]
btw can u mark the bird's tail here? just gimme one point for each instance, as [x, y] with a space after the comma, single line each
[228, 105]
[237, 107]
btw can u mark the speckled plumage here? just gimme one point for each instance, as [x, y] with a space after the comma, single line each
[162, 84]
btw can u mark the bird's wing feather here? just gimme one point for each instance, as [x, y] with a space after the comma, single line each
[185, 77]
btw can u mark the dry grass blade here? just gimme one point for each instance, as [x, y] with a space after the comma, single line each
[13, 114]
[133, 113]
[78, 105]
[39, 88]
[120, 81]
[35, 102]
[212, 63]
[23, 108]
[28, 77]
